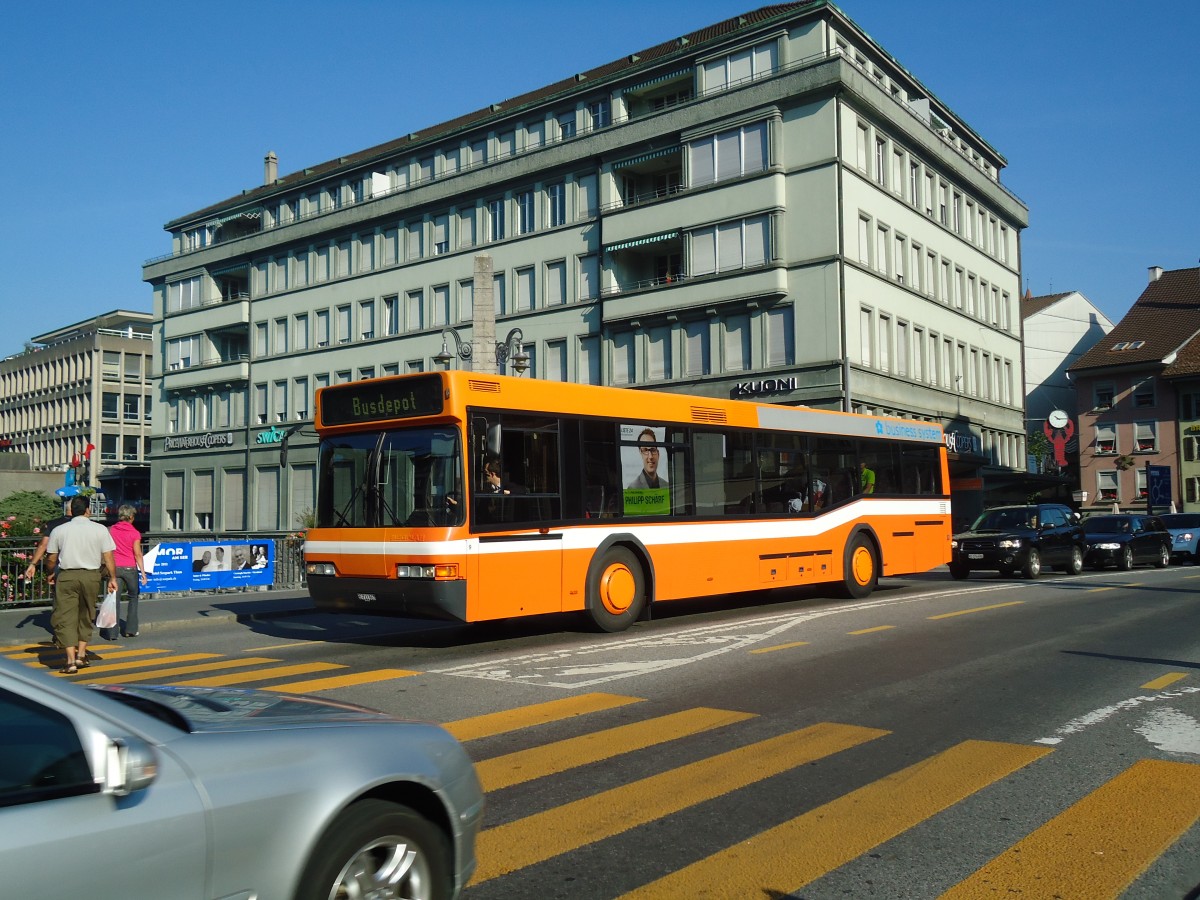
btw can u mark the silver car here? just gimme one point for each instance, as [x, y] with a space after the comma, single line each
[134, 791]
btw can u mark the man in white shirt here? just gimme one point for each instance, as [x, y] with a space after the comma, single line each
[80, 549]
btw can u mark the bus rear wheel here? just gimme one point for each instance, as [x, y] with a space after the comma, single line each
[616, 590]
[861, 572]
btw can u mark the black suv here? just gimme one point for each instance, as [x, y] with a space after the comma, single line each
[1021, 539]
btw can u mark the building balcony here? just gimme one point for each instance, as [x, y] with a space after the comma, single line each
[208, 371]
[630, 299]
[215, 315]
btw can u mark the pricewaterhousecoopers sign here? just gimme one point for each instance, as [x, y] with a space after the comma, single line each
[199, 441]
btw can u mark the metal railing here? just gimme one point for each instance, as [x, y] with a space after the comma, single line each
[15, 554]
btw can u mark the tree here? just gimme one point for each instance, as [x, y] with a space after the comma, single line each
[1039, 447]
[25, 511]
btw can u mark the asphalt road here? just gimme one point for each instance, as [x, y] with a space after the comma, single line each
[961, 739]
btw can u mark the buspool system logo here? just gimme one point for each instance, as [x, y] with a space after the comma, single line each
[914, 432]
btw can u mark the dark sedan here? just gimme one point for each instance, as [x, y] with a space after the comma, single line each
[1125, 540]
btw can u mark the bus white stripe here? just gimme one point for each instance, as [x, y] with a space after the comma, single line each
[577, 537]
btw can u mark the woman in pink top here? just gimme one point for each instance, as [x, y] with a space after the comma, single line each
[131, 573]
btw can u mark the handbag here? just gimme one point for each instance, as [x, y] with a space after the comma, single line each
[106, 616]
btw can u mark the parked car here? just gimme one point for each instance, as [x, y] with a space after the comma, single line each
[1126, 539]
[1185, 535]
[132, 791]
[1023, 539]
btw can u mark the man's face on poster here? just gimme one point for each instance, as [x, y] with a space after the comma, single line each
[240, 556]
[649, 458]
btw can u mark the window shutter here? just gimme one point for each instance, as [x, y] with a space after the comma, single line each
[704, 252]
[234, 498]
[202, 493]
[702, 161]
[754, 141]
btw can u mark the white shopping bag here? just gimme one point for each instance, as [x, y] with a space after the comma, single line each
[106, 617]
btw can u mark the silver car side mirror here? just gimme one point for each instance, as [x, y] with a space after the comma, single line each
[130, 766]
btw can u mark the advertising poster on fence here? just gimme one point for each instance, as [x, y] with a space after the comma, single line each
[206, 566]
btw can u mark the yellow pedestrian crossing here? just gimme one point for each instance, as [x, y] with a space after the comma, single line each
[537, 714]
[538, 837]
[1077, 852]
[1102, 843]
[259, 675]
[833, 834]
[538, 762]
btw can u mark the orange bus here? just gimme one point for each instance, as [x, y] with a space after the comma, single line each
[470, 496]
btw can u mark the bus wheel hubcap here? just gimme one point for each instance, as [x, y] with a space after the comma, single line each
[617, 587]
[861, 565]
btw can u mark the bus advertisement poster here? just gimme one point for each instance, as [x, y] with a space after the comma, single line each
[643, 470]
[209, 565]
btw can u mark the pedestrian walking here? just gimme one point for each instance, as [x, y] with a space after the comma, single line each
[79, 551]
[131, 571]
[40, 552]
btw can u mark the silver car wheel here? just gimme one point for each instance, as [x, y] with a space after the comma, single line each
[386, 869]
[379, 850]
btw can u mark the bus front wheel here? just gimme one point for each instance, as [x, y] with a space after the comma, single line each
[616, 590]
[861, 568]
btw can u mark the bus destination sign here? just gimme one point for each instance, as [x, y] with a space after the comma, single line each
[375, 401]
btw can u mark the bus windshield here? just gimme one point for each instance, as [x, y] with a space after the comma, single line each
[410, 477]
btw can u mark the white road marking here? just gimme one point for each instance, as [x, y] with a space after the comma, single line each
[1097, 716]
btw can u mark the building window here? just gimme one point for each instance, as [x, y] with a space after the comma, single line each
[729, 154]
[781, 336]
[731, 246]
[260, 404]
[524, 204]
[589, 276]
[441, 234]
[1143, 394]
[366, 320]
[556, 361]
[696, 349]
[737, 343]
[343, 324]
[866, 337]
[658, 354]
[880, 162]
[391, 316]
[1107, 486]
[1102, 396]
[589, 360]
[556, 200]
[1145, 437]
[1106, 440]
[441, 305]
[526, 299]
[496, 219]
[599, 113]
[414, 313]
[556, 283]
[623, 358]
[466, 300]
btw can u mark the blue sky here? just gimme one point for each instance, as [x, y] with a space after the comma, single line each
[118, 117]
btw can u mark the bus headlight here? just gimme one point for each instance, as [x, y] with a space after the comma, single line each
[316, 568]
[439, 571]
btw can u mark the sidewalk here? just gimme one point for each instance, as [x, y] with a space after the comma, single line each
[31, 624]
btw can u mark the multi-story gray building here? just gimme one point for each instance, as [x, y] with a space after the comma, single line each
[770, 207]
[83, 384]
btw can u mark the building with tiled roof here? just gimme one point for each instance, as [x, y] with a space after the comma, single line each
[1134, 387]
[769, 207]
[1059, 329]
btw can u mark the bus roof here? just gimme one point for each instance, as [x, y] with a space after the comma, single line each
[393, 400]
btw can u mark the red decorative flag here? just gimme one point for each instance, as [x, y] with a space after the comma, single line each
[87, 452]
[75, 461]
